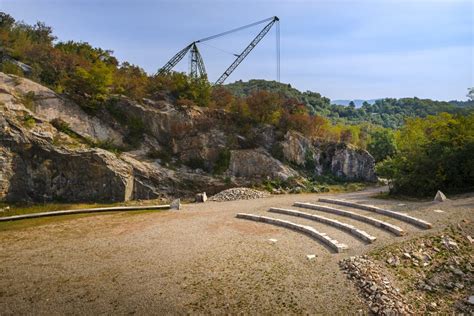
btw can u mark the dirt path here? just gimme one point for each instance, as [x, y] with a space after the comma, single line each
[200, 259]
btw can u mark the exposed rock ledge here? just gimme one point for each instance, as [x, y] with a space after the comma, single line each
[40, 163]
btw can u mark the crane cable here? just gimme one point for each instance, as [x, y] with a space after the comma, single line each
[233, 30]
[277, 34]
[222, 50]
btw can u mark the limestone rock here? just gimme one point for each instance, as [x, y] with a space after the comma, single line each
[234, 194]
[201, 197]
[39, 162]
[340, 159]
[47, 105]
[257, 163]
[439, 197]
[175, 204]
[352, 163]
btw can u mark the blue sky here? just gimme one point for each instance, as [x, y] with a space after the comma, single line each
[352, 49]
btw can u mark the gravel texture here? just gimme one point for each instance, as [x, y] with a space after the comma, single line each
[235, 194]
[381, 296]
[198, 260]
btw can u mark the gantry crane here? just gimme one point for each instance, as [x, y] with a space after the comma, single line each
[196, 64]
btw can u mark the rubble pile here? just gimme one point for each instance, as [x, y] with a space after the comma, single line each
[238, 194]
[382, 296]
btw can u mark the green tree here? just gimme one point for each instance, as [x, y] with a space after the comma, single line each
[264, 106]
[470, 93]
[435, 153]
[90, 87]
[382, 144]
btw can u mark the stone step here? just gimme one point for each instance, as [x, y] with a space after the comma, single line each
[401, 216]
[85, 210]
[332, 222]
[366, 219]
[308, 230]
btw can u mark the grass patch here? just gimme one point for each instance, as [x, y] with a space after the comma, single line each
[32, 222]
[21, 208]
[64, 127]
[29, 121]
[28, 100]
[302, 185]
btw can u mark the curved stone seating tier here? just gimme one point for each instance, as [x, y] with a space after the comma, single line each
[332, 222]
[401, 216]
[308, 230]
[369, 220]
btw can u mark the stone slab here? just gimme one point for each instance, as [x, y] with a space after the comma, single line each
[401, 216]
[340, 225]
[366, 219]
[308, 230]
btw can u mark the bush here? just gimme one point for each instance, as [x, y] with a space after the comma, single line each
[222, 162]
[28, 100]
[163, 155]
[382, 144]
[10, 68]
[29, 120]
[196, 163]
[435, 153]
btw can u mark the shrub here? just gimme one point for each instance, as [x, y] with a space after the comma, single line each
[29, 120]
[222, 162]
[196, 163]
[28, 100]
[435, 153]
[10, 68]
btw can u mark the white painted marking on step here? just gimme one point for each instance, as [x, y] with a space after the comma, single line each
[272, 240]
[438, 211]
[310, 257]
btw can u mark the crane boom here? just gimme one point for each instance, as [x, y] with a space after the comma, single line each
[197, 67]
[246, 51]
[174, 60]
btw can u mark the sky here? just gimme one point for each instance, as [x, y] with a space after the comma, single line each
[343, 49]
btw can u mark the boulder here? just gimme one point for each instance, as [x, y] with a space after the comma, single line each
[257, 163]
[201, 197]
[352, 163]
[175, 204]
[318, 157]
[439, 197]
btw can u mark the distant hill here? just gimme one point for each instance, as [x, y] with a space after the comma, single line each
[358, 102]
[387, 112]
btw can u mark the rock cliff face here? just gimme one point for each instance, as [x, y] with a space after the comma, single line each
[35, 170]
[340, 159]
[253, 163]
[177, 155]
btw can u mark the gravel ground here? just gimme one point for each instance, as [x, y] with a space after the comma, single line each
[200, 259]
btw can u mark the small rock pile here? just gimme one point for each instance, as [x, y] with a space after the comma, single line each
[383, 298]
[439, 269]
[238, 194]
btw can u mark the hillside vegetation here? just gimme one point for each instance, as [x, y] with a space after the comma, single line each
[387, 112]
[433, 148]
